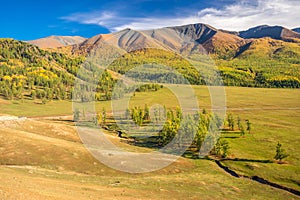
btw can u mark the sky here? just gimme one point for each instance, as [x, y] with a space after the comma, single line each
[27, 20]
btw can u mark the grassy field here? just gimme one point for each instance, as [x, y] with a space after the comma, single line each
[238, 99]
[48, 160]
[51, 163]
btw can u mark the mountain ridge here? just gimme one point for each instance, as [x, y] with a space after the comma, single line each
[188, 38]
[199, 32]
[275, 32]
[296, 30]
[199, 37]
[55, 41]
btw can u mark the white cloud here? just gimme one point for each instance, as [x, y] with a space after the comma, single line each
[239, 16]
[244, 14]
[91, 18]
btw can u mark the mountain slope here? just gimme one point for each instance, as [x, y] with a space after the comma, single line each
[198, 32]
[125, 40]
[183, 39]
[57, 41]
[224, 45]
[296, 30]
[275, 32]
[269, 48]
[263, 62]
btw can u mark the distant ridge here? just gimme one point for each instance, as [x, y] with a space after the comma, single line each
[57, 41]
[275, 32]
[296, 30]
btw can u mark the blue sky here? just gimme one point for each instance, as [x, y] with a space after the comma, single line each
[26, 20]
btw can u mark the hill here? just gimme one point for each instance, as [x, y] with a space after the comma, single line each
[263, 62]
[29, 72]
[57, 41]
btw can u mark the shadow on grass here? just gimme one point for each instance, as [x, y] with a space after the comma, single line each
[63, 120]
[149, 142]
[257, 179]
[247, 160]
[192, 155]
[231, 137]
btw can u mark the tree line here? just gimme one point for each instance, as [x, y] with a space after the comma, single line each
[182, 129]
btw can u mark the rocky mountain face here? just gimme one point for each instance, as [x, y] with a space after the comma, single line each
[200, 37]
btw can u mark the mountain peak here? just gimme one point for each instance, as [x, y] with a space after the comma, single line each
[196, 26]
[198, 32]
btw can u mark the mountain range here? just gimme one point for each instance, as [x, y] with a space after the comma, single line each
[179, 39]
[261, 41]
[263, 56]
[211, 39]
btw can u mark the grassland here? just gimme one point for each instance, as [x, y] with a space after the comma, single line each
[42, 158]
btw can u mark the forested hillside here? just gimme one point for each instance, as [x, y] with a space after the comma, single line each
[28, 71]
[266, 63]
[263, 62]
